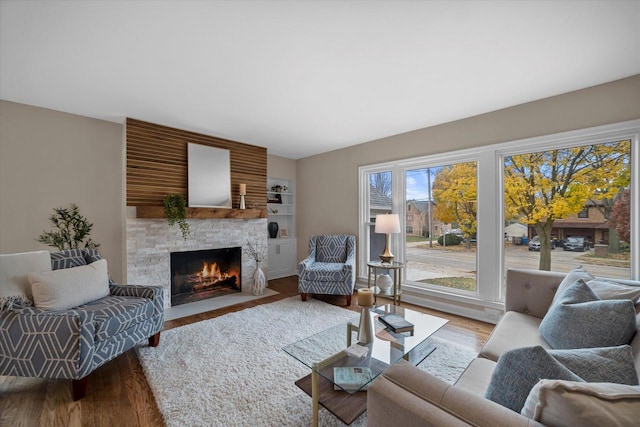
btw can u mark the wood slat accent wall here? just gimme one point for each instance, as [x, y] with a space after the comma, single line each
[157, 165]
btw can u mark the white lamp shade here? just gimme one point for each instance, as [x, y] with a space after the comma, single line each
[387, 224]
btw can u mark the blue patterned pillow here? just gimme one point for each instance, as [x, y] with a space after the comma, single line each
[600, 365]
[579, 319]
[67, 259]
[519, 370]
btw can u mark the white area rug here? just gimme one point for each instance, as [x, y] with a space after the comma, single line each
[232, 371]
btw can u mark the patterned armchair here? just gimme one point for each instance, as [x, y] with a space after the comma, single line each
[70, 343]
[330, 267]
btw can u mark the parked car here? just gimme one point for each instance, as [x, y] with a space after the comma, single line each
[534, 244]
[579, 244]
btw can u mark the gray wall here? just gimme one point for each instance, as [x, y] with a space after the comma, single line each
[327, 184]
[50, 159]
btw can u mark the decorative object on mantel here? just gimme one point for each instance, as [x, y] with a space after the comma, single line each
[175, 209]
[365, 328]
[273, 229]
[259, 280]
[73, 230]
[243, 192]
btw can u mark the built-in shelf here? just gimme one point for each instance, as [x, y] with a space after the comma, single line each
[203, 213]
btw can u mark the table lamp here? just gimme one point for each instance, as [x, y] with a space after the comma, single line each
[387, 224]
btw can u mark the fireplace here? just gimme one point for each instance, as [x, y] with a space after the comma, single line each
[203, 274]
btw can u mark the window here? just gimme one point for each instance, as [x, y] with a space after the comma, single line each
[549, 191]
[493, 222]
[444, 256]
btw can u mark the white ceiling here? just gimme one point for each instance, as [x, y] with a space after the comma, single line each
[306, 77]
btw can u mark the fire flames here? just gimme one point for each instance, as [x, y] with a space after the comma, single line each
[211, 271]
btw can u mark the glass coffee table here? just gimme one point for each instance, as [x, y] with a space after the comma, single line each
[337, 347]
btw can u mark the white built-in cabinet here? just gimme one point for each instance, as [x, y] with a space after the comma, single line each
[281, 210]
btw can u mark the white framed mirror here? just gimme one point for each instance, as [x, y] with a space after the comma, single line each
[209, 173]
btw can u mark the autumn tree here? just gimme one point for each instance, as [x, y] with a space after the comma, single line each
[545, 186]
[621, 215]
[612, 176]
[454, 193]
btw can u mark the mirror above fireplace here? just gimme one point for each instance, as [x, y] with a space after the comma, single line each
[209, 176]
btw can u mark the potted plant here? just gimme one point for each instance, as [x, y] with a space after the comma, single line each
[175, 209]
[72, 231]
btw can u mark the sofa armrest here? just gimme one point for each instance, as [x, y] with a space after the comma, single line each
[305, 263]
[155, 293]
[405, 395]
[50, 344]
[531, 291]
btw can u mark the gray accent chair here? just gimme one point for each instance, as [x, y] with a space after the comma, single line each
[330, 267]
[73, 343]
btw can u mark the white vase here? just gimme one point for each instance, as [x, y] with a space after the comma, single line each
[258, 280]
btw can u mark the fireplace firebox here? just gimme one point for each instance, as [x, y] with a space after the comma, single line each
[199, 275]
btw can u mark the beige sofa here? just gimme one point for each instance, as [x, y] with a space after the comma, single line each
[406, 396]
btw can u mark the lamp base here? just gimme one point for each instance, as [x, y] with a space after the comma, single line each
[242, 205]
[386, 259]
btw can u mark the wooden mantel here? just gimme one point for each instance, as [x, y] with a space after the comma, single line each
[204, 213]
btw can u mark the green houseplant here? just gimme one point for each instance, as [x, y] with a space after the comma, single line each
[72, 230]
[175, 209]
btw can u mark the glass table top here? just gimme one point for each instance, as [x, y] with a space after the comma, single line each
[327, 350]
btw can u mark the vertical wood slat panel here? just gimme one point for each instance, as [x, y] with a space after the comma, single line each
[157, 164]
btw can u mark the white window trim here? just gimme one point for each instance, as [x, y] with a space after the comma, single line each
[490, 253]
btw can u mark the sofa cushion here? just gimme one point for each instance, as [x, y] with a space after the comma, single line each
[517, 371]
[607, 289]
[477, 376]
[608, 364]
[332, 249]
[114, 314]
[579, 319]
[572, 277]
[69, 287]
[14, 283]
[68, 258]
[514, 330]
[567, 404]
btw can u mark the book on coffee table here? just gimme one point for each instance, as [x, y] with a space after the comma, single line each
[351, 378]
[396, 323]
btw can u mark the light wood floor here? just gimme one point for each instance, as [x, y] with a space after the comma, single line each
[118, 393]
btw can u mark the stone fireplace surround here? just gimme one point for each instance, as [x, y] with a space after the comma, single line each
[150, 242]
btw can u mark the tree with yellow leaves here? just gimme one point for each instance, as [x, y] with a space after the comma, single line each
[549, 185]
[455, 193]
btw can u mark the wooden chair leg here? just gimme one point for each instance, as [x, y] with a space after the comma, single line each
[349, 300]
[154, 340]
[303, 296]
[79, 388]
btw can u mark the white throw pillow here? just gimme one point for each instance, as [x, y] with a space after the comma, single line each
[14, 268]
[567, 403]
[70, 287]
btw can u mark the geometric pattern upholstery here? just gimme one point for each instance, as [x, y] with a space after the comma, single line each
[72, 343]
[330, 266]
[67, 259]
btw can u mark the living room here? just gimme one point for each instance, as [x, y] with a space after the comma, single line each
[57, 147]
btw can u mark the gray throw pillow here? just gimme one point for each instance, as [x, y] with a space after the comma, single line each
[518, 371]
[572, 277]
[600, 365]
[579, 319]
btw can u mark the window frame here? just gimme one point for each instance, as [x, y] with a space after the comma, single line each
[490, 169]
